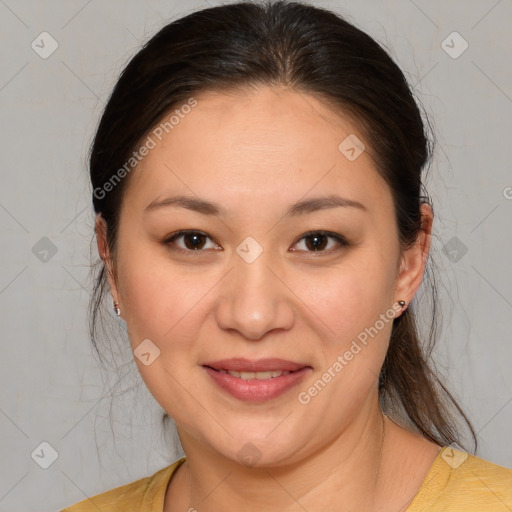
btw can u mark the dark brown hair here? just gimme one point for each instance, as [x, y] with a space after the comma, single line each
[313, 51]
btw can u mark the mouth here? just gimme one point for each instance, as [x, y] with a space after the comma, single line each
[270, 374]
[256, 381]
[240, 364]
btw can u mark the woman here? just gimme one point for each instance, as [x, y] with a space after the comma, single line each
[257, 183]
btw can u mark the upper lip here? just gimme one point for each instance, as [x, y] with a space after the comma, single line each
[261, 365]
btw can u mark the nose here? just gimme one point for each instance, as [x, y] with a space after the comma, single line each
[253, 301]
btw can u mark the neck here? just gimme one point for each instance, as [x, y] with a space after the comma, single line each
[348, 467]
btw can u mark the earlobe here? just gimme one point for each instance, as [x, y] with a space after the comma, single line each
[414, 259]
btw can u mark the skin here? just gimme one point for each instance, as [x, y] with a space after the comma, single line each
[254, 154]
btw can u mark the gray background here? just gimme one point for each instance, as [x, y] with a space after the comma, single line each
[52, 388]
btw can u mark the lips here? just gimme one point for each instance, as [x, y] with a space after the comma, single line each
[261, 365]
[256, 381]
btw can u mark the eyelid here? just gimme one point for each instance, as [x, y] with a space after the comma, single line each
[329, 234]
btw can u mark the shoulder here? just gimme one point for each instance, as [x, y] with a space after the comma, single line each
[459, 481]
[146, 494]
[475, 476]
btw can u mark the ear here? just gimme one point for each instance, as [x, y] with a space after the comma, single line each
[100, 228]
[414, 259]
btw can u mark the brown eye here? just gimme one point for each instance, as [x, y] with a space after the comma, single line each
[194, 241]
[190, 241]
[318, 241]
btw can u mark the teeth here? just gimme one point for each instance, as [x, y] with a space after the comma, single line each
[256, 375]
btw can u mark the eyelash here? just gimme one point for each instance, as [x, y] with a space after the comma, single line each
[339, 238]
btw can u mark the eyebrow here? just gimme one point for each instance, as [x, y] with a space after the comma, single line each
[299, 208]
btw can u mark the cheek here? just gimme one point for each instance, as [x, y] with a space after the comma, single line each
[354, 303]
[164, 305]
[348, 297]
[159, 300]
[155, 292]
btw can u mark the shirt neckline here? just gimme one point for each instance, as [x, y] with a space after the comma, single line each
[434, 481]
[426, 492]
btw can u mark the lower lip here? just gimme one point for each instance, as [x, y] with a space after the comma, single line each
[254, 390]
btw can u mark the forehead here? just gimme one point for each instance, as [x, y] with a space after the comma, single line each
[255, 142]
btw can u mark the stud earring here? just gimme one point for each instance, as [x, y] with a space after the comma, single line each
[402, 304]
[117, 309]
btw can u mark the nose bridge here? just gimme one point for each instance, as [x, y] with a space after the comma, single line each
[253, 279]
[253, 301]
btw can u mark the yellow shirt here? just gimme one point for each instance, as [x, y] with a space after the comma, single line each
[456, 482]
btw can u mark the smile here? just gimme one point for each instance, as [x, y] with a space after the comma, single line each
[257, 387]
[256, 375]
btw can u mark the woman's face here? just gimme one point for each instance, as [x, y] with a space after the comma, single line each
[248, 282]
